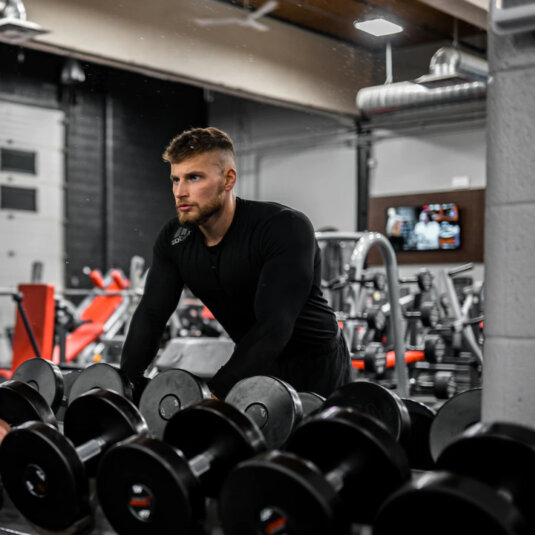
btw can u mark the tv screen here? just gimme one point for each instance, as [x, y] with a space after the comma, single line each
[427, 227]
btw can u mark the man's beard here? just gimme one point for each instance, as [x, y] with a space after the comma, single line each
[202, 214]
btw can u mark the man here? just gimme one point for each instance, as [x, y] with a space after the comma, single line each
[255, 265]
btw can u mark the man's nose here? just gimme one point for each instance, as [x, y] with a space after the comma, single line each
[180, 190]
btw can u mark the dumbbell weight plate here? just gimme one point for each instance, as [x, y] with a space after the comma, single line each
[45, 377]
[101, 375]
[53, 491]
[285, 494]
[21, 403]
[271, 403]
[442, 503]
[311, 402]
[454, 417]
[366, 450]
[376, 401]
[502, 455]
[444, 385]
[217, 427]
[418, 449]
[101, 414]
[169, 392]
[160, 496]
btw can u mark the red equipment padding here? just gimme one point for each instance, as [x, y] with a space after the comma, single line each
[96, 279]
[6, 373]
[410, 356]
[206, 314]
[38, 302]
[118, 277]
[96, 315]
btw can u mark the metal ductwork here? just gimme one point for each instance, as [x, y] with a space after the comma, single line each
[455, 76]
[14, 28]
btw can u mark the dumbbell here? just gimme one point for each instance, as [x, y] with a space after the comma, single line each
[48, 379]
[271, 403]
[399, 416]
[441, 384]
[101, 375]
[46, 473]
[339, 467]
[166, 491]
[20, 403]
[485, 483]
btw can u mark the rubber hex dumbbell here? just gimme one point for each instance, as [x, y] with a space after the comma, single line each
[46, 474]
[339, 467]
[485, 480]
[166, 491]
[48, 379]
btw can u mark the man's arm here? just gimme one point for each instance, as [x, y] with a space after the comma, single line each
[160, 298]
[284, 285]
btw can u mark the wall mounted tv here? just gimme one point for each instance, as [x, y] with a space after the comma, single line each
[426, 227]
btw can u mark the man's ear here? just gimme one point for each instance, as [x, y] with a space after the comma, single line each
[230, 178]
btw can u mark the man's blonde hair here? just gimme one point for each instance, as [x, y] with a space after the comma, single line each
[198, 141]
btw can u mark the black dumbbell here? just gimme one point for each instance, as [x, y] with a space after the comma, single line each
[49, 380]
[166, 394]
[441, 384]
[403, 422]
[270, 402]
[20, 403]
[166, 491]
[101, 375]
[339, 467]
[46, 473]
[484, 482]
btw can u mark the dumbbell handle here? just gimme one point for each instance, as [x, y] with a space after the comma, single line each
[91, 449]
[336, 479]
[201, 463]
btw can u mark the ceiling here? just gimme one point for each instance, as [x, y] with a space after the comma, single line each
[424, 21]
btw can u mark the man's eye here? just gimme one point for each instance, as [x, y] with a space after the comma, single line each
[194, 177]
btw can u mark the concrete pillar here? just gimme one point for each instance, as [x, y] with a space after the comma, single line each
[509, 352]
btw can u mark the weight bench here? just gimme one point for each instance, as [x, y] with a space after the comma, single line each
[99, 313]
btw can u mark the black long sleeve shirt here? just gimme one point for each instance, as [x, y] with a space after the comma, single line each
[261, 282]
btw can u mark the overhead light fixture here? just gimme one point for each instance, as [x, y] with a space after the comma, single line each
[16, 32]
[14, 28]
[378, 27]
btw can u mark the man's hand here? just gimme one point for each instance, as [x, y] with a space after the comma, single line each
[4, 430]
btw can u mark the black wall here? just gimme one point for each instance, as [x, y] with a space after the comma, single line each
[117, 125]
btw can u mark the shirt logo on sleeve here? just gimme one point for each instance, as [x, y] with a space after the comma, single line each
[180, 235]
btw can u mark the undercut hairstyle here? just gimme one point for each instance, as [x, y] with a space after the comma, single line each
[198, 141]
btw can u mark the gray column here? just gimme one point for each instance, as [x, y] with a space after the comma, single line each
[509, 352]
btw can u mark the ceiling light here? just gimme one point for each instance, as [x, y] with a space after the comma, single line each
[378, 27]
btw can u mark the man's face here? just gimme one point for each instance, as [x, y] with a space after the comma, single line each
[199, 187]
